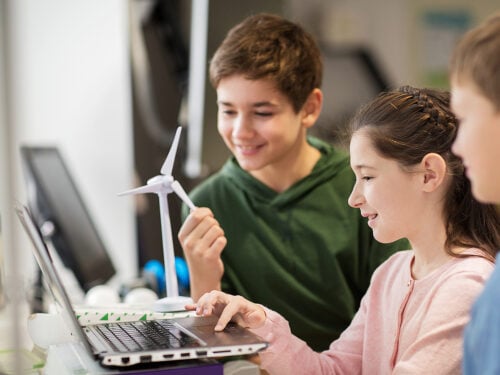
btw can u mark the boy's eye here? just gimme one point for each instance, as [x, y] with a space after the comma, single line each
[366, 178]
[228, 112]
[264, 114]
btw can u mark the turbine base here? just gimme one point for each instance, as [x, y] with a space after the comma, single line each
[169, 304]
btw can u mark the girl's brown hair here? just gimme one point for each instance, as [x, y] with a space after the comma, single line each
[408, 123]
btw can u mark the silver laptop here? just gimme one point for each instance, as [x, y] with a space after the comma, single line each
[122, 344]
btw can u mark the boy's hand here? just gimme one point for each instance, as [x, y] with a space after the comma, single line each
[203, 240]
[229, 308]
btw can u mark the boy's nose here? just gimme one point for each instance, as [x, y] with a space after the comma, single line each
[242, 127]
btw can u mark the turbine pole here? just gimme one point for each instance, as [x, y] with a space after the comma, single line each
[168, 246]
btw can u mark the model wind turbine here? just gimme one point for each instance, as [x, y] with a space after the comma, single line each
[162, 185]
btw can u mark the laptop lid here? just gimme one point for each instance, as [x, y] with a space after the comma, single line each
[234, 340]
[54, 283]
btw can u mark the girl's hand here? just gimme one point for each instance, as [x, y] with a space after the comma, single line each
[229, 308]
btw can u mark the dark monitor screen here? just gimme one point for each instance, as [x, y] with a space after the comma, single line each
[60, 212]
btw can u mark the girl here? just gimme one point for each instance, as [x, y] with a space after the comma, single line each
[408, 185]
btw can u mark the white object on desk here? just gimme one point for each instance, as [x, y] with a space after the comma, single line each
[47, 329]
[105, 295]
[140, 296]
[101, 295]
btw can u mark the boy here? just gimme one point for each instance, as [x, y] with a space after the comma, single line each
[279, 230]
[475, 88]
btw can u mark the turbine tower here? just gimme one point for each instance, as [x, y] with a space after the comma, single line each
[162, 185]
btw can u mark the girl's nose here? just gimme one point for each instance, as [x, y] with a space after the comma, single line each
[355, 198]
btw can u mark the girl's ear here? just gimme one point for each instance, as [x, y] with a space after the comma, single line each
[312, 108]
[434, 171]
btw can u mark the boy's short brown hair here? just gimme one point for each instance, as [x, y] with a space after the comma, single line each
[267, 46]
[476, 58]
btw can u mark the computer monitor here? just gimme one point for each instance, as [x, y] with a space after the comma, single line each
[61, 214]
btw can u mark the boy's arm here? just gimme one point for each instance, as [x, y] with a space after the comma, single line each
[203, 240]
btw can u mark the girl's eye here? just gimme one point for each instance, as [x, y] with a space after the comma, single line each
[366, 178]
[264, 114]
[228, 112]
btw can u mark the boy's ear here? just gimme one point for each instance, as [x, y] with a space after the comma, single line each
[312, 108]
[434, 171]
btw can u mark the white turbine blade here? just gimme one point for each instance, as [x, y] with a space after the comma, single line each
[150, 188]
[176, 186]
[168, 165]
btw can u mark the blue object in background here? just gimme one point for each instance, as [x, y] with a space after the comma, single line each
[156, 268]
[182, 271]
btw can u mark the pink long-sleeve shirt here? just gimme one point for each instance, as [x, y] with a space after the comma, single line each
[403, 326]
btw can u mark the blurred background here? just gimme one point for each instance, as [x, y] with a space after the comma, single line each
[107, 82]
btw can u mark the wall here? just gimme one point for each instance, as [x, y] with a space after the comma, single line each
[393, 29]
[67, 78]
[4, 154]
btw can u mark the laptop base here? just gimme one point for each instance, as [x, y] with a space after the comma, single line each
[71, 358]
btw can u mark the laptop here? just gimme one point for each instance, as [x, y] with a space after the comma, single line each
[126, 343]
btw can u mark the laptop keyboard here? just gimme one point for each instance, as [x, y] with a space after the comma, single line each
[145, 335]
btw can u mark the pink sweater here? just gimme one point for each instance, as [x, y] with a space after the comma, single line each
[403, 326]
